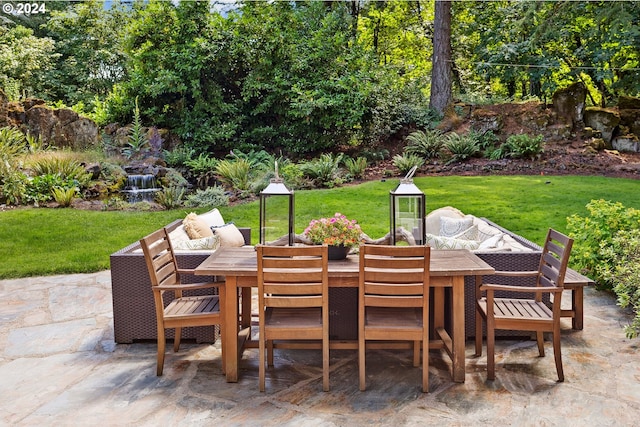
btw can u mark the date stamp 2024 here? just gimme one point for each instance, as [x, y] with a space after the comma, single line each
[24, 8]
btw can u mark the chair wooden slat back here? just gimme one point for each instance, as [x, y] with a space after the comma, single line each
[394, 300]
[554, 259]
[293, 300]
[181, 311]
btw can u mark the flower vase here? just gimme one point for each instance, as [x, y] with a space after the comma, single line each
[337, 252]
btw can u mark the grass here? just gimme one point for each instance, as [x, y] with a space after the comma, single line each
[59, 241]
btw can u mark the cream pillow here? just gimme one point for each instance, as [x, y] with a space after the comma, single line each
[196, 227]
[439, 242]
[451, 227]
[178, 235]
[229, 234]
[432, 220]
[211, 242]
[213, 217]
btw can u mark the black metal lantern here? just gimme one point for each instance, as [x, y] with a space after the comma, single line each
[276, 212]
[408, 205]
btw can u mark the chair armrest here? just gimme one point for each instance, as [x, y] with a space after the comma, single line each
[536, 289]
[516, 273]
[188, 286]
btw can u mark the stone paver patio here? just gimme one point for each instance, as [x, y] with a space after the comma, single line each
[60, 366]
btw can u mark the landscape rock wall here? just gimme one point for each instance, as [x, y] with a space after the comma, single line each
[55, 127]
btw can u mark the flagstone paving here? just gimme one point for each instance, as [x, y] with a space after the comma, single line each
[60, 366]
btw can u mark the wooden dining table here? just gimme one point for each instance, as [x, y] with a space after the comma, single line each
[239, 266]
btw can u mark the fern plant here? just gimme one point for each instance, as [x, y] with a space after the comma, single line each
[137, 144]
[426, 144]
[64, 196]
[170, 197]
[235, 173]
[356, 167]
[202, 168]
[323, 170]
[406, 161]
[461, 147]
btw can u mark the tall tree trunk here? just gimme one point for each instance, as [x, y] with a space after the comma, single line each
[441, 68]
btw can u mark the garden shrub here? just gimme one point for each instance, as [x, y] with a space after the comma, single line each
[427, 144]
[235, 174]
[405, 162]
[356, 167]
[625, 274]
[170, 197]
[520, 147]
[64, 196]
[202, 169]
[593, 236]
[323, 170]
[178, 157]
[211, 197]
[461, 147]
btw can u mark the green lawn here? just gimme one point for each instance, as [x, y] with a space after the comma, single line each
[56, 241]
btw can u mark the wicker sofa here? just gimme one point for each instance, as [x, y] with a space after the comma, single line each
[134, 317]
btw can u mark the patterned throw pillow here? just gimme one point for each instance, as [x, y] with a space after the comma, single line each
[439, 242]
[470, 233]
[229, 234]
[450, 227]
[206, 243]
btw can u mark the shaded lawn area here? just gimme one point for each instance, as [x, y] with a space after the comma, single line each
[59, 241]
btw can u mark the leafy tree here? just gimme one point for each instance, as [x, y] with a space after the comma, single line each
[88, 41]
[23, 59]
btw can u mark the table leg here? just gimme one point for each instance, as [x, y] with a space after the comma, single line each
[577, 295]
[230, 336]
[246, 308]
[458, 330]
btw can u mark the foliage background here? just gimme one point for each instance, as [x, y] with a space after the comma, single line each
[309, 76]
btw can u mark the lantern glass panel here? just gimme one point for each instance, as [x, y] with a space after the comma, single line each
[408, 215]
[276, 218]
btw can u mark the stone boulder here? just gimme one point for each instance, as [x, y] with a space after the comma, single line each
[603, 119]
[626, 143]
[628, 103]
[483, 120]
[569, 104]
[62, 127]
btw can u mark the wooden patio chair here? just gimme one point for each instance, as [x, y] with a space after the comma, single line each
[526, 314]
[182, 311]
[394, 301]
[293, 300]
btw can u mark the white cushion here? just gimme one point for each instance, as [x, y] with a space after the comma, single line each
[212, 218]
[439, 242]
[229, 235]
[451, 227]
[178, 235]
[485, 231]
[432, 220]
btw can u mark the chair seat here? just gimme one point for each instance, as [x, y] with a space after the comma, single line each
[300, 317]
[192, 306]
[519, 309]
[391, 317]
